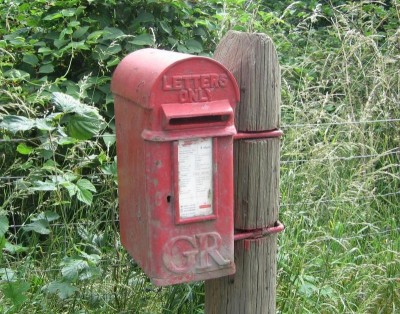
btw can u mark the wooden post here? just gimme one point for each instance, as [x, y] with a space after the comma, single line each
[253, 61]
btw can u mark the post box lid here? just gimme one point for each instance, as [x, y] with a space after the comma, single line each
[150, 77]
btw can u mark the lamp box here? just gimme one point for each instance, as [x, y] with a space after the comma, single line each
[174, 118]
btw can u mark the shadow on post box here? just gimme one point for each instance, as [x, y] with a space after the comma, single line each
[174, 118]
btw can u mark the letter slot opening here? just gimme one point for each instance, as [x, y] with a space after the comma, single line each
[198, 119]
[181, 116]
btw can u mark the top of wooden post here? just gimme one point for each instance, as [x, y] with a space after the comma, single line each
[253, 61]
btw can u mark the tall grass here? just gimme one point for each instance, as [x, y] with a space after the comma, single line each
[340, 174]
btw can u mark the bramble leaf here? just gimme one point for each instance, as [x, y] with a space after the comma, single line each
[14, 248]
[43, 186]
[66, 103]
[16, 291]
[24, 149]
[84, 189]
[17, 123]
[47, 68]
[40, 226]
[63, 289]
[86, 120]
[30, 59]
[47, 215]
[3, 225]
[193, 46]
[71, 268]
[143, 40]
[83, 127]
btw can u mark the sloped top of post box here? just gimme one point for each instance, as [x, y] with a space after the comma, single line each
[150, 77]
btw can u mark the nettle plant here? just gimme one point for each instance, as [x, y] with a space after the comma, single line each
[56, 138]
[59, 152]
[56, 158]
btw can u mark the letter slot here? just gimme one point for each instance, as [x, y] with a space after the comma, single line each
[209, 114]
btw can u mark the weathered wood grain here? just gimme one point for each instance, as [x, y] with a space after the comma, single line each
[253, 61]
[257, 187]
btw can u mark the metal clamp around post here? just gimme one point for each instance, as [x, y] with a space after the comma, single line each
[259, 233]
[278, 227]
[258, 135]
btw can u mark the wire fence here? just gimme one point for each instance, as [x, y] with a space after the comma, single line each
[10, 179]
[299, 204]
[307, 125]
[318, 240]
[285, 126]
[394, 151]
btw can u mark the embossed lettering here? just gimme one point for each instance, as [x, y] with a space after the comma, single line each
[209, 243]
[183, 95]
[205, 81]
[177, 82]
[194, 87]
[214, 80]
[223, 79]
[197, 253]
[194, 95]
[166, 84]
[179, 261]
[208, 93]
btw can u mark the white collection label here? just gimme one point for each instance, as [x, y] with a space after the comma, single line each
[195, 170]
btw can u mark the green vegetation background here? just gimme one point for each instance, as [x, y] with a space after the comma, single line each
[340, 185]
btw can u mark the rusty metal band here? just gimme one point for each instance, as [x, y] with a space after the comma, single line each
[260, 232]
[258, 135]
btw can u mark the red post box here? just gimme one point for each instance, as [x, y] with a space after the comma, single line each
[175, 124]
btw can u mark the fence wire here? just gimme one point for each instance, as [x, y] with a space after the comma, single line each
[394, 151]
[339, 201]
[299, 204]
[308, 125]
[319, 238]
[285, 126]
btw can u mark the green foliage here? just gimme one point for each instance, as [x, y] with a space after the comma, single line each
[3, 225]
[41, 222]
[184, 298]
[82, 121]
[64, 290]
[59, 242]
[80, 268]
[58, 136]
[15, 291]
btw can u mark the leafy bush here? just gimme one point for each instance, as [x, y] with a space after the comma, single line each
[58, 214]
[58, 155]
